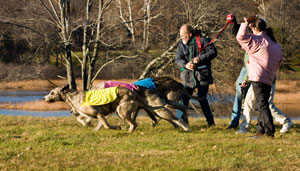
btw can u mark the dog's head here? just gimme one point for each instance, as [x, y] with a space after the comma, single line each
[56, 94]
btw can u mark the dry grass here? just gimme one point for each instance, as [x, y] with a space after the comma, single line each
[36, 105]
[284, 98]
[29, 85]
[288, 86]
[287, 91]
[40, 85]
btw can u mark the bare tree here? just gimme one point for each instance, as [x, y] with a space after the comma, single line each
[148, 8]
[59, 12]
[91, 42]
[129, 22]
[92, 30]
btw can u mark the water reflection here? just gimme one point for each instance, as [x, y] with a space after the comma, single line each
[220, 98]
[35, 113]
[21, 96]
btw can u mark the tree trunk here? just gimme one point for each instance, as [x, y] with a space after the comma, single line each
[65, 31]
[146, 25]
[94, 56]
[156, 60]
[85, 47]
[70, 74]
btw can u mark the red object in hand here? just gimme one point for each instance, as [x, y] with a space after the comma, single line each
[229, 18]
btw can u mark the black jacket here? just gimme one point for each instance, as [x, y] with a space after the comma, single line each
[202, 73]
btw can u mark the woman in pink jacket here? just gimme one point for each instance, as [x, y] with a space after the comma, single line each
[265, 55]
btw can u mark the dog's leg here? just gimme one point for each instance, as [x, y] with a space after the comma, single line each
[134, 114]
[125, 111]
[103, 122]
[132, 124]
[152, 117]
[88, 120]
[80, 120]
[99, 126]
[166, 114]
[182, 124]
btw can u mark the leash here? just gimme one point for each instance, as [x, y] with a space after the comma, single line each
[229, 21]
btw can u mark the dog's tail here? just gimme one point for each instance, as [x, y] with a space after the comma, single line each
[175, 105]
[185, 92]
[195, 108]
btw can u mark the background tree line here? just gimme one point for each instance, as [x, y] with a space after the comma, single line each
[133, 38]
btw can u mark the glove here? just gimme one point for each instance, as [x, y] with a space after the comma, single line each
[230, 18]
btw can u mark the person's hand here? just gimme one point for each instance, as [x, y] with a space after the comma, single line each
[244, 84]
[196, 60]
[190, 66]
[245, 19]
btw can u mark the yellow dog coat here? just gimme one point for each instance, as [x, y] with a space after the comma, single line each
[100, 97]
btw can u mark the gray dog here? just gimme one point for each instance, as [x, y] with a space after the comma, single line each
[166, 88]
[127, 103]
[171, 90]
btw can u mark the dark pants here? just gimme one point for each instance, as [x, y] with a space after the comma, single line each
[202, 92]
[265, 124]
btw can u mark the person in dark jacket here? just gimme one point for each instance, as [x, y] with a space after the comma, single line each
[195, 67]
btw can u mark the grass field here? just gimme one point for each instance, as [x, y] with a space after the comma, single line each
[60, 143]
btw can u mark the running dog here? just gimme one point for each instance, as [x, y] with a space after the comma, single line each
[126, 103]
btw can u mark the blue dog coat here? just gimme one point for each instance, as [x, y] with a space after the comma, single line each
[147, 83]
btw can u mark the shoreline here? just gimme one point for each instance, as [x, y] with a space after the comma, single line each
[287, 93]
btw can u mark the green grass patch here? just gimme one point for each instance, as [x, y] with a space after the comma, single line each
[61, 143]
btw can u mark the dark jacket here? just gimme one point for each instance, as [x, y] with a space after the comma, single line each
[202, 73]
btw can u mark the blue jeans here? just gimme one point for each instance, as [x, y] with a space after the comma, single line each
[237, 106]
[202, 92]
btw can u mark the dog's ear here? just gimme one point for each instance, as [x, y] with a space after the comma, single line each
[65, 89]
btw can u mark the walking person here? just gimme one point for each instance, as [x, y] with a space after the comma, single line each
[277, 114]
[195, 67]
[240, 92]
[265, 55]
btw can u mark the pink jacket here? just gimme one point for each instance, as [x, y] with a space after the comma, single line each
[265, 55]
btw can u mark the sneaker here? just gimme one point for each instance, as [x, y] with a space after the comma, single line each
[286, 127]
[232, 127]
[242, 131]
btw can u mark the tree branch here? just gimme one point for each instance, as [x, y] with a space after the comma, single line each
[111, 61]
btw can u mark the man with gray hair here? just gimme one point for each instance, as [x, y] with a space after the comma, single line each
[195, 66]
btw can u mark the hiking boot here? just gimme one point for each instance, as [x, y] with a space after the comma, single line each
[232, 127]
[286, 127]
[242, 131]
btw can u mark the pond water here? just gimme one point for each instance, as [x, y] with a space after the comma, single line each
[25, 96]
[21, 96]
[35, 113]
